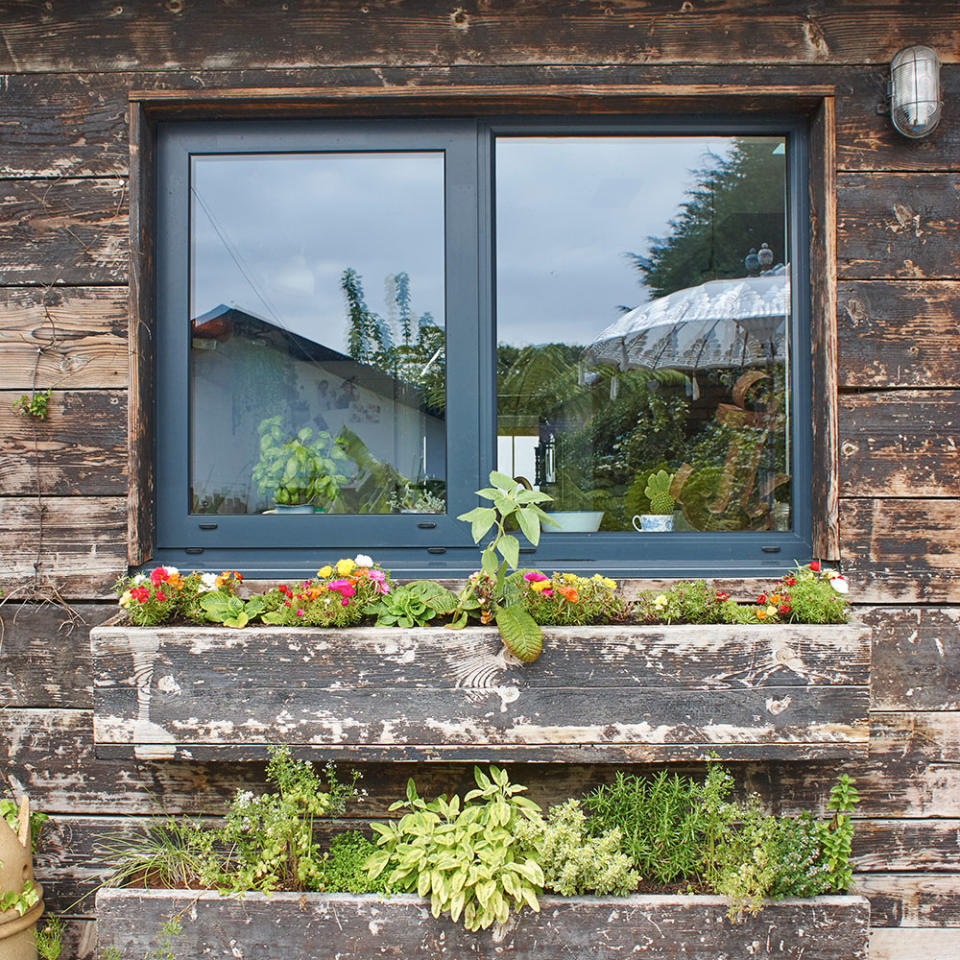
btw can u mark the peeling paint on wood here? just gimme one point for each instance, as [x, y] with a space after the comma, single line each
[638, 693]
[354, 927]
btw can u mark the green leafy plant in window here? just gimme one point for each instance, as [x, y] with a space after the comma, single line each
[489, 593]
[466, 857]
[298, 470]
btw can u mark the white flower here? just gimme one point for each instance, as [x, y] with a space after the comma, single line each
[362, 560]
[139, 578]
[208, 582]
[839, 584]
[171, 571]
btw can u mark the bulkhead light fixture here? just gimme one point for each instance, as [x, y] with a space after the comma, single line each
[914, 91]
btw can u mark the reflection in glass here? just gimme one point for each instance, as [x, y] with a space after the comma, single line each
[643, 308]
[317, 359]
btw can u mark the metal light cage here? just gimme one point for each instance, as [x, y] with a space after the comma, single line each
[915, 91]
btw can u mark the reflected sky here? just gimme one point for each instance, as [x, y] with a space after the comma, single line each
[272, 235]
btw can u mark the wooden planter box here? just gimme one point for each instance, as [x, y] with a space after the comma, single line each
[596, 694]
[349, 927]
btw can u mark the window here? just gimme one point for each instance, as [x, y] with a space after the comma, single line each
[357, 320]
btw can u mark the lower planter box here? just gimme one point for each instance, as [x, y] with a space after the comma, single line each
[349, 927]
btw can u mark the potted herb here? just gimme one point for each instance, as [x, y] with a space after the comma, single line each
[299, 473]
[662, 502]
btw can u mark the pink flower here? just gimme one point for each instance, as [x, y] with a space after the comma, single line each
[161, 596]
[343, 587]
[158, 575]
[380, 579]
[534, 576]
[299, 613]
[344, 602]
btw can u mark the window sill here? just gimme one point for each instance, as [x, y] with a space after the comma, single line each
[596, 694]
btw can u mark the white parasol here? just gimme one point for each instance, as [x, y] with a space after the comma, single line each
[721, 323]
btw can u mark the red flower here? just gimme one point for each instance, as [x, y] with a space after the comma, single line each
[790, 581]
[785, 608]
[721, 596]
[161, 596]
[762, 598]
[815, 566]
[158, 575]
[140, 594]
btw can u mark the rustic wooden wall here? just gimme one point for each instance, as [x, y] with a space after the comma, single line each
[65, 72]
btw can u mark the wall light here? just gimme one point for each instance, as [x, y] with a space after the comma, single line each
[915, 91]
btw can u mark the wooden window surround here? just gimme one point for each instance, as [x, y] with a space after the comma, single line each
[147, 108]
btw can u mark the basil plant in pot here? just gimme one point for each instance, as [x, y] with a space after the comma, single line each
[300, 473]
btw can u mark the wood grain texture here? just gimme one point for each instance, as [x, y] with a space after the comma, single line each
[893, 845]
[141, 432]
[63, 231]
[823, 331]
[84, 543]
[913, 944]
[891, 225]
[901, 444]
[867, 140]
[603, 928]
[910, 899]
[101, 37]
[80, 447]
[902, 551]
[45, 654]
[622, 694]
[87, 327]
[898, 334]
[916, 659]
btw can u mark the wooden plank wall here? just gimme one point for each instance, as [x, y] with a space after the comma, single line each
[65, 73]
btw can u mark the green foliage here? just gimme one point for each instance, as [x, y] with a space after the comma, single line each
[670, 827]
[763, 857]
[566, 599]
[344, 865]
[298, 469]
[512, 503]
[657, 491]
[10, 812]
[33, 404]
[467, 857]
[20, 900]
[412, 604]
[573, 862]
[836, 837]
[813, 596]
[49, 940]
[686, 601]
[164, 852]
[219, 606]
[267, 840]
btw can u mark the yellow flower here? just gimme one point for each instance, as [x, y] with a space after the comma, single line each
[660, 600]
[345, 567]
[541, 585]
[609, 584]
[325, 572]
[771, 610]
[125, 600]
[570, 577]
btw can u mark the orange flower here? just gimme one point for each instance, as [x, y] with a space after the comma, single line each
[568, 593]
[761, 614]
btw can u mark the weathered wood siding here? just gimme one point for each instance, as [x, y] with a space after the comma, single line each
[66, 69]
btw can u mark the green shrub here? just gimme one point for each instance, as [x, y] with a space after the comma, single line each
[343, 867]
[566, 599]
[413, 604]
[572, 861]
[467, 858]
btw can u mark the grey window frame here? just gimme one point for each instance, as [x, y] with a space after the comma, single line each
[440, 546]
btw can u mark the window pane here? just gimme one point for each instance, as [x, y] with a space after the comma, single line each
[643, 318]
[317, 360]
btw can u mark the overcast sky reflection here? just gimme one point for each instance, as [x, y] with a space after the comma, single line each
[272, 234]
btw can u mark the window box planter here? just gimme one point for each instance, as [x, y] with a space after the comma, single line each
[596, 694]
[352, 927]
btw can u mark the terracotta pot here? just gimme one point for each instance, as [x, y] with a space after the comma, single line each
[16, 869]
